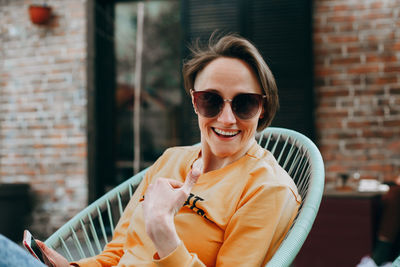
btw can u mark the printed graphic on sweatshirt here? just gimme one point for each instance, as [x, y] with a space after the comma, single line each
[191, 202]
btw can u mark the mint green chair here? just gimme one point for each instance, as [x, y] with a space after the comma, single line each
[396, 262]
[87, 233]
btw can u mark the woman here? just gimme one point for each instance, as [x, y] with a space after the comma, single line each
[387, 239]
[226, 202]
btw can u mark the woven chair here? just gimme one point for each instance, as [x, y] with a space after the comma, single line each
[87, 233]
[396, 262]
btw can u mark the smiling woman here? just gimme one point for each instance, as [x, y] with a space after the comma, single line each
[225, 137]
[226, 202]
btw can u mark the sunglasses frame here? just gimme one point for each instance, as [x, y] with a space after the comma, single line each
[192, 92]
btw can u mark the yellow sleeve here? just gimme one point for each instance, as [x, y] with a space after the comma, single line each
[258, 227]
[113, 251]
[179, 257]
[253, 234]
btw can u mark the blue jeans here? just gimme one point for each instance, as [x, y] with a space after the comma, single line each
[13, 255]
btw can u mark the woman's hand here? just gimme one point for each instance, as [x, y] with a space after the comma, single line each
[51, 257]
[163, 199]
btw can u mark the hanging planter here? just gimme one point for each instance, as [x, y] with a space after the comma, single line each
[39, 14]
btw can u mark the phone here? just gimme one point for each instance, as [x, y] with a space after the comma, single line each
[31, 245]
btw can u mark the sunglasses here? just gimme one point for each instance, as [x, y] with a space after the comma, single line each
[209, 104]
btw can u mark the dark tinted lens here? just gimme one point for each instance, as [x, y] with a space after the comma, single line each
[208, 104]
[245, 106]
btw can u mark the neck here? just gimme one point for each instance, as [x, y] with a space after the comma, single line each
[213, 162]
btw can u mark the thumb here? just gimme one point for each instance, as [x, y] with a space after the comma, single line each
[191, 179]
[51, 257]
[47, 253]
[42, 246]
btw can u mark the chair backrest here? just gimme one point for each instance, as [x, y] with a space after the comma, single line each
[299, 156]
[87, 233]
[396, 262]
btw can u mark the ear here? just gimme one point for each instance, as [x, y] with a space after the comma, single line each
[194, 106]
[262, 113]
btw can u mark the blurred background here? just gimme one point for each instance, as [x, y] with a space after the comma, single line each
[91, 92]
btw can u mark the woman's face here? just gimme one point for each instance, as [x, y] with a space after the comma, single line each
[226, 135]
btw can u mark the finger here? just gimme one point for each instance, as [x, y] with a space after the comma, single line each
[198, 164]
[47, 253]
[175, 184]
[41, 245]
[191, 179]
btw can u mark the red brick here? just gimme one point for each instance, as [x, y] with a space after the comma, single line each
[334, 93]
[383, 102]
[346, 60]
[332, 113]
[370, 133]
[345, 81]
[377, 5]
[379, 37]
[393, 145]
[321, 8]
[377, 15]
[394, 90]
[340, 135]
[342, 39]
[363, 69]
[370, 91]
[341, 7]
[377, 167]
[337, 168]
[326, 103]
[391, 123]
[326, 71]
[369, 112]
[376, 156]
[340, 18]
[361, 124]
[384, 25]
[364, 145]
[317, 40]
[395, 69]
[346, 28]
[327, 51]
[362, 47]
[381, 58]
[324, 124]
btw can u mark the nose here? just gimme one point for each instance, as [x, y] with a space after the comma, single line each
[226, 116]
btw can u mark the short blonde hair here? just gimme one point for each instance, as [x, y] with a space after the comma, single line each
[234, 46]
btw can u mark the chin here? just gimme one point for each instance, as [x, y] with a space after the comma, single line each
[223, 153]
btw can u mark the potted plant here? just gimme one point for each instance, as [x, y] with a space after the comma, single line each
[39, 14]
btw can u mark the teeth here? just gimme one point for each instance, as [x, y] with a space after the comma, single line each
[221, 132]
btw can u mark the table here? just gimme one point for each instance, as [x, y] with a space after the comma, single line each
[343, 232]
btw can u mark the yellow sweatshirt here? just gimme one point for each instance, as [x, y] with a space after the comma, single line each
[234, 216]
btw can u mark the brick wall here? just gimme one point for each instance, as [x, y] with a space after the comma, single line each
[43, 98]
[43, 108]
[357, 83]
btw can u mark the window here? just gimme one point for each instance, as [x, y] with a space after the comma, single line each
[160, 92]
[112, 44]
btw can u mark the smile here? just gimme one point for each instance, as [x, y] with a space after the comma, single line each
[225, 133]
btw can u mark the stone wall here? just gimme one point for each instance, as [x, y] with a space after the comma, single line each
[357, 85]
[43, 108]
